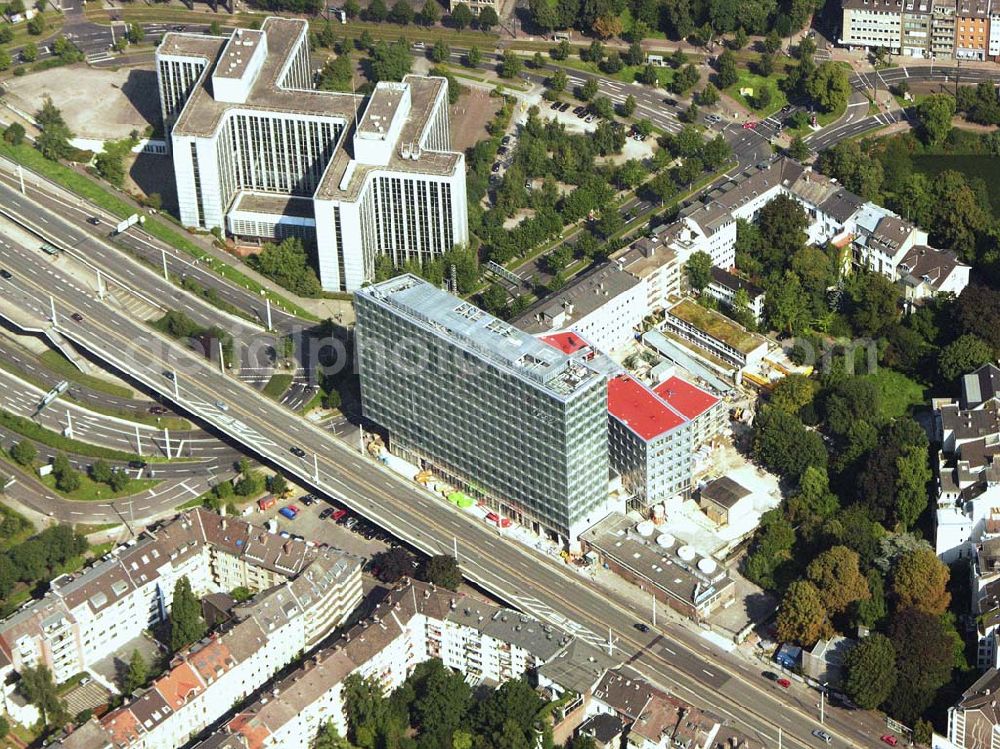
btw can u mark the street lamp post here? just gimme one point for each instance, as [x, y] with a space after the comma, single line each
[822, 701]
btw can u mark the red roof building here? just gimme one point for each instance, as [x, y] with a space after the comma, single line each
[689, 399]
[638, 407]
[568, 343]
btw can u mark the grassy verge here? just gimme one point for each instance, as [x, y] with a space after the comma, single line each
[91, 491]
[88, 529]
[627, 74]
[99, 550]
[38, 433]
[53, 25]
[17, 528]
[277, 385]
[756, 82]
[95, 193]
[59, 364]
[198, 501]
[315, 402]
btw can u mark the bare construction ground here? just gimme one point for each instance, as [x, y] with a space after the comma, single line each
[473, 110]
[96, 103]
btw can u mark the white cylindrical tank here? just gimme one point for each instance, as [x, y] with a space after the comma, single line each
[686, 553]
[665, 540]
[707, 566]
[659, 514]
[645, 528]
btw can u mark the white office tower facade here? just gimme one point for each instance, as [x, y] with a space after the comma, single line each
[259, 153]
[513, 421]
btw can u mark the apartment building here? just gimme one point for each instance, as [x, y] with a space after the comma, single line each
[871, 24]
[518, 423]
[943, 29]
[725, 285]
[716, 334]
[261, 154]
[993, 33]
[88, 616]
[974, 722]
[606, 306]
[972, 29]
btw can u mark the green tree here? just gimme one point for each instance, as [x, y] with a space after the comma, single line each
[870, 671]
[872, 611]
[5, 61]
[772, 42]
[36, 25]
[934, 115]
[442, 570]
[510, 64]
[913, 476]
[461, 16]
[440, 52]
[813, 502]
[699, 270]
[771, 550]
[925, 656]
[100, 471]
[430, 14]
[329, 738]
[977, 311]
[402, 13]
[14, 134]
[802, 618]
[186, 622]
[727, 69]
[138, 672]
[798, 149]
[377, 11]
[24, 452]
[276, 483]
[53, 142]
[781, 443]
[786, 304]
[829, 86]
[67, 478]
[39, 689]
[390, 62]
[920, 581]
[838, 578]
[487, 19]
[963, 355]
[793, 393]
[628, 106]
[443, 698]
[589, 89]
[288, 265]
[648, 75]
[709, 96]
[873, 302]
[557, 81]
[740, 39]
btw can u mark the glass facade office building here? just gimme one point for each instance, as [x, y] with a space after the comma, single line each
[515, 421]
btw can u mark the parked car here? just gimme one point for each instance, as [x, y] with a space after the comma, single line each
[308, 499]
[506, 140]
[350, 523]
[770, 676]
[339, 515]
[785, 683]
[751, 125]
[326, 513]
[266, 503]
[890, 739]
[289, 511]
[822, 736]
[157, 410]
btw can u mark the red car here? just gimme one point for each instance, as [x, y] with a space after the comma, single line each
[784, 683]
[890, 739]
[751, 125]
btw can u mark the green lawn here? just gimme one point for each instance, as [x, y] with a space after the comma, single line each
[28, 428]
[898, 394]
[62, 366]
[277, 385]
[971, 165]
[756, 82]
[91, 491]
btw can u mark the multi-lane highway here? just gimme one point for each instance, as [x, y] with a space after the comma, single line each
[530, 580]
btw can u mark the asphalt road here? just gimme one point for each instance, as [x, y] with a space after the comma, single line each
[539, 584]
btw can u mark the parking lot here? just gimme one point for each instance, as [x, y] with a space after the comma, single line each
[350, 533]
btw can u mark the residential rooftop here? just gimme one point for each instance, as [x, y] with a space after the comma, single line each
[717, 326]
[639, 408]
